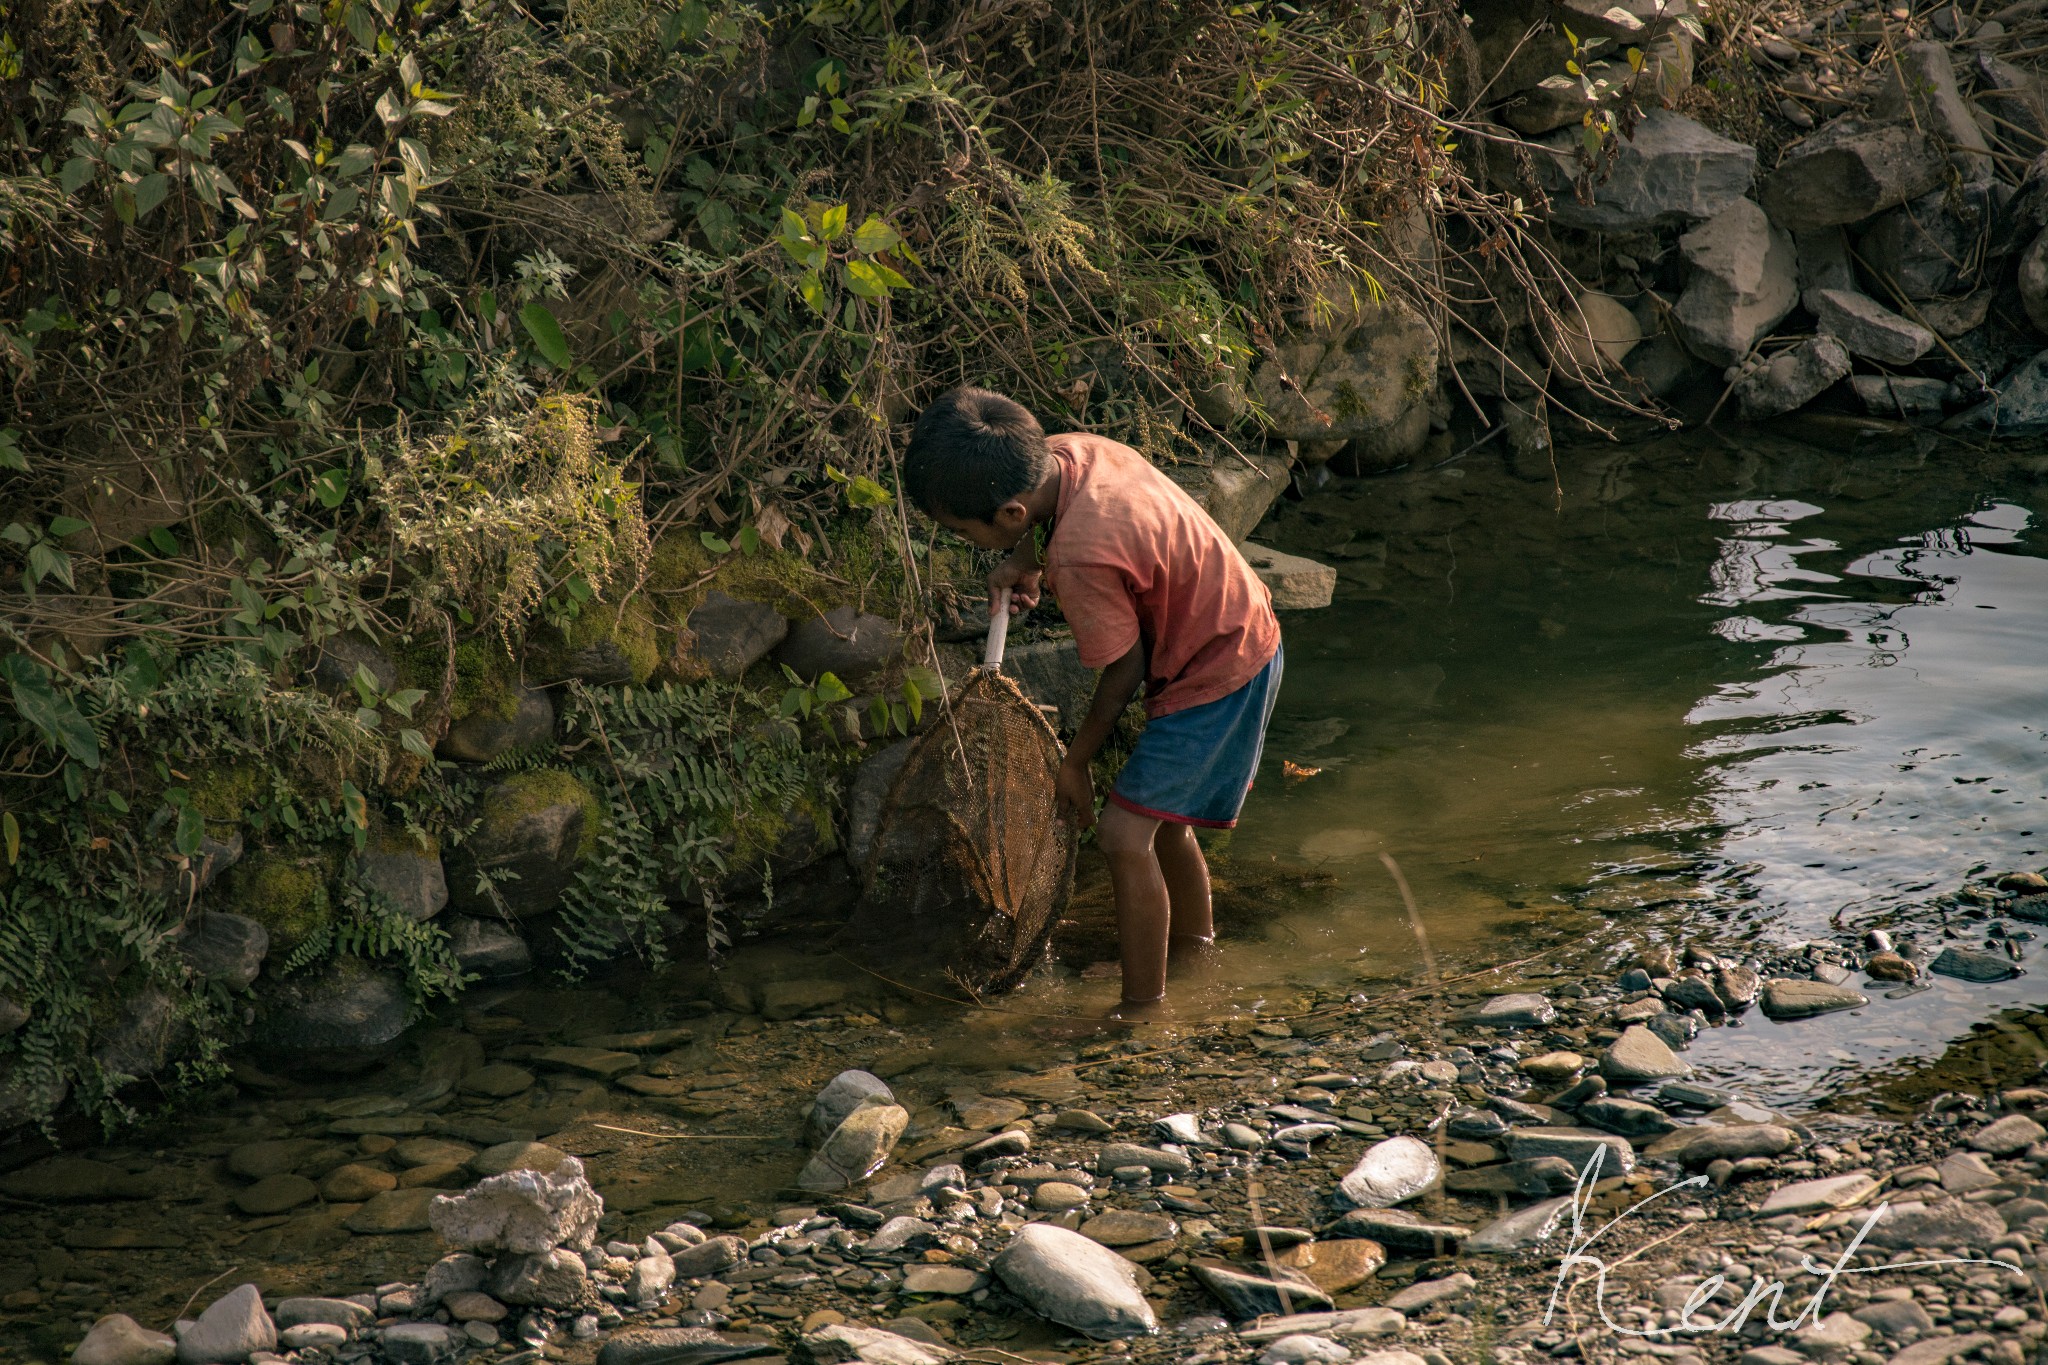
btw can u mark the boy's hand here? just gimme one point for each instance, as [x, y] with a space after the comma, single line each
[1074, 789]
[1021, 579]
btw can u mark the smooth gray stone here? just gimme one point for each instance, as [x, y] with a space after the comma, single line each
[1576, 1145]
[1973, 964]
[231, 1327]
[1121, 1154]
[681, 1346]
[843, 1094]
[1630, 1118]
[857, 1147]
[1785, 998]
[1523, 1010]
[1075, 1282]
[1398, 1230]
[1947, 1225]
[1351, 1323]
[1522, 1229]
[1390, 1173]
[1706, 1143]
[1247, 1295]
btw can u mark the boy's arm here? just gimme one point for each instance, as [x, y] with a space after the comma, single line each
[1075, 786]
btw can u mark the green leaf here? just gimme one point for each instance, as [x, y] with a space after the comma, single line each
[830, 689]
[47, 561]
[863, 279]
[365, 684]
[749, 540]
[415, 743]
[403, 700]
[150, 191]
[813, 290]
[67, 526]
[875, 235]
[547, 335]
[53, 716]
[10, 450]
[914, 699]
[10, 829]
[331, 488]
[164, 541]
[191, 829]
[713, 543]
[834, 222]
[353, 806]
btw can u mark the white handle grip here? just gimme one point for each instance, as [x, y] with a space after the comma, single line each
[998, 630]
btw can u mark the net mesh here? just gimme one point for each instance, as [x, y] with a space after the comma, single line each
[971, 859]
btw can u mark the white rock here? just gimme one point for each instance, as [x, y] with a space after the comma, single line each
[118, 1339]
[521, 1211]
[1075, 1282]
[1389, 1173]
[1303, 1349]
[1744, 280]
[232, 1326]
[312, 1336]
[843, 1341]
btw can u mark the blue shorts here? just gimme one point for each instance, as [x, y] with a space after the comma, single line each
[1194, 767]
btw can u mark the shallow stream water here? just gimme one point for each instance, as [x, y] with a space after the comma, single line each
[1736, 691]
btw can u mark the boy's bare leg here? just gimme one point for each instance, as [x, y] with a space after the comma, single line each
[1143, 910]
[1179, 854]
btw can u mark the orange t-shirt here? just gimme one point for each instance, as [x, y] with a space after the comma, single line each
[1132, 558]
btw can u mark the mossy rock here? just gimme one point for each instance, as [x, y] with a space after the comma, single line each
[481, 738]
[342, 1017]
[779, 840]
[225, 793]
[607, 643]
[539, 826]
[285, 893]
[486, 676]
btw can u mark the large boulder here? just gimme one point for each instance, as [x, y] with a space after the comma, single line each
[1792, 378]
[857, 1147]
[348, 1007]
[484, 735]
[539, 826]
[120, 1340]
[1362, 372]
[487, 948]
[408, 876]
[1744, 281]
[142, 1035]
[224, 948]
[1929, 246]
[1595, 334]
[232, 1328]
[1671, 171]
[2021, 405]
[1074, 1282]
[1920, 88]
[541, 1279]
[1850, 171]
[866, 795]
[844, 1093]
[1236, 493]
[1867, 328]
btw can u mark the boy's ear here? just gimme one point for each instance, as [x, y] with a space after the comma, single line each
[1012, 515]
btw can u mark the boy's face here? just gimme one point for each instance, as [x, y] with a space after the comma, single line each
[1001, 532]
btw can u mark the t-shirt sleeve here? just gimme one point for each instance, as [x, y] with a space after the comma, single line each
[1097, 604]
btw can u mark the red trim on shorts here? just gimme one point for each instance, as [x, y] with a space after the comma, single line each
[1118, 799]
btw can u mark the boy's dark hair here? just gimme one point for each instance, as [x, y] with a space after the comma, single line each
[971, 452]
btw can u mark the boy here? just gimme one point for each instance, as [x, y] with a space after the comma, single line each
[1157, 595]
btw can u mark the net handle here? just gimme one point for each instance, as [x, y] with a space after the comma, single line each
[998, 630]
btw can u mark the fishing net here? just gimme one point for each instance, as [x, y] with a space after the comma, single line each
[972, 861]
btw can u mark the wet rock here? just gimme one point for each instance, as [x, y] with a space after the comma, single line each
[1851, 171]
[1574, 1145]
[1451, 1291]
[393, 1211]
[420, 1343]
[1973, 964]
[483, 736]
[536, 826]
[231, 1327]
[118, 1339]
[1867, 328]
[844, 1341]
[794, 999]
[1640, 1055]
[1349, 1324]
[1543, 1175]
[844, 642]
[1296, 582]
[1336, 1266]
[2021, 404]
[843, 1094]
[544, 1279]
[1522, 1229]
[1744, 281]
[146, 1031]
[1477, 1125]
[1630, 1118]
[1400, 1231]
[1302, 1349]
[347, 1008]
[598, 1063]
[866, 795]
[523, 1211]
[1904, 397]
[730, 636]
[857, 1147]
[1693, 991]
[1077, 1283]
[1945, 1226]
[409, 877]
[1527, 1010]
[224, 948]
[897, 1234]
[1672, 170]
[1706, 1143]
[1245, 1294]
[75, 1180]
[1818, 1196]
[275, 1194]
[2009, 1136]
[342, 1313]
[499, 1080]
[1122, 1154]
[1792, 378]
[1787, 998]
[487, 948]
[1389, 1173]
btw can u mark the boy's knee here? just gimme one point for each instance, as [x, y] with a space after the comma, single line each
[1122, 831]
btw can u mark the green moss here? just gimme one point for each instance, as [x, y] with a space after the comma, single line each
[286, 895]
[226, 794]
[758, 833]
[522, 794]
[681, 572]
[486, 676]
[630, 628]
